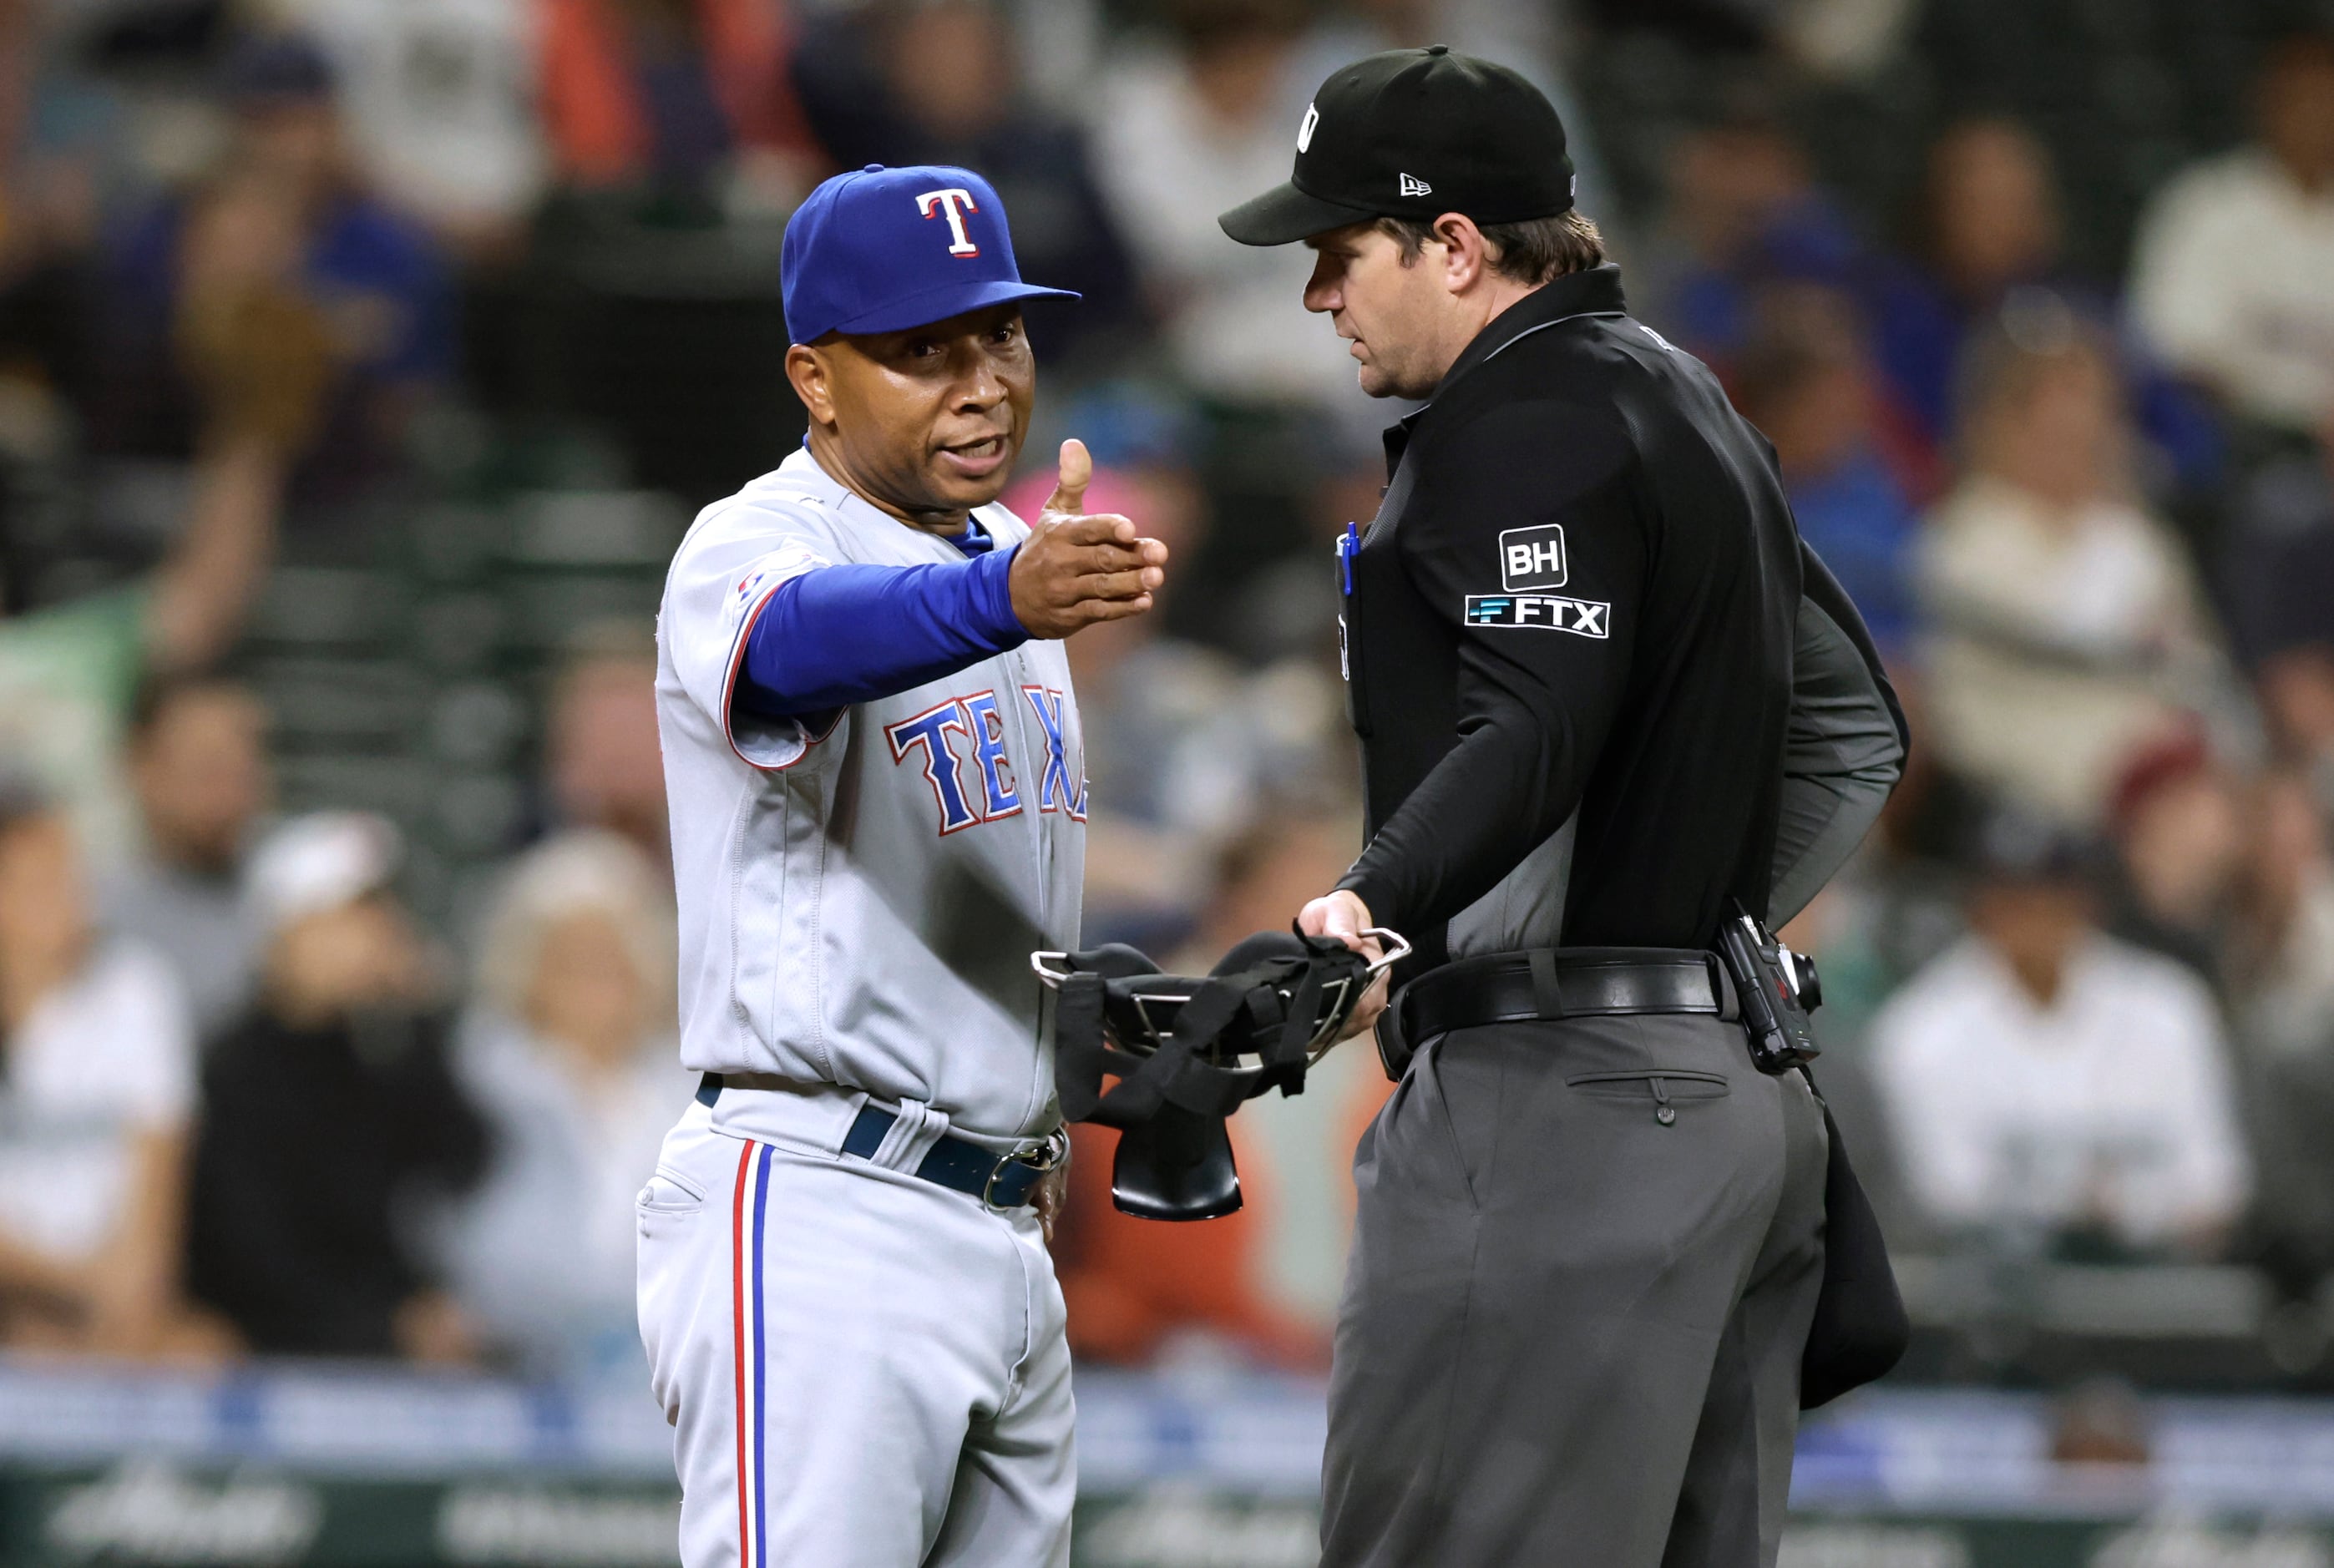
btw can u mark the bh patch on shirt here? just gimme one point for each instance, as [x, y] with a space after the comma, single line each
[1532, 557]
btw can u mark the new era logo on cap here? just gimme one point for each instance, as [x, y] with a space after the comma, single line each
[1413, 186]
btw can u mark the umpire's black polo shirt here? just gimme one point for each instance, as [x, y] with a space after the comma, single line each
[1568, 644]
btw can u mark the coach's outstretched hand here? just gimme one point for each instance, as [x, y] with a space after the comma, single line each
[1074, 570]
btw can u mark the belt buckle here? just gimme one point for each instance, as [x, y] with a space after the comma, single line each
[1049, 1155]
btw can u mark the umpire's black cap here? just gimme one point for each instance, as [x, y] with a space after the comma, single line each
[1415, 133]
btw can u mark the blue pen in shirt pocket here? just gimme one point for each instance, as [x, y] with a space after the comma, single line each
[1349, 632]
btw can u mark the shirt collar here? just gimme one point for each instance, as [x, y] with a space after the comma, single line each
[978, 538]
[801, 467]
[1596, 292]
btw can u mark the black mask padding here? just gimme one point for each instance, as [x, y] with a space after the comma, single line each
[1186, 1050]
[1175, 1166]
[1263, 946]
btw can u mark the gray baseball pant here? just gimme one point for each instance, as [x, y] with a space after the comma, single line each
[1586, 1256]
[862, 1369]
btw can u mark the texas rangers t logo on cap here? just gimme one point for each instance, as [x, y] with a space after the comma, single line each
[944, 202]
[863, 253]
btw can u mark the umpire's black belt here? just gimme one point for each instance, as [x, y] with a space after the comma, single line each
[1551, 983]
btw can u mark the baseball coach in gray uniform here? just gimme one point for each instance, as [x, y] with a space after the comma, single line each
[1612, 712]
[878, 805]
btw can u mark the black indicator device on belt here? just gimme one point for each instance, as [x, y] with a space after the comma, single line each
[1776, 989]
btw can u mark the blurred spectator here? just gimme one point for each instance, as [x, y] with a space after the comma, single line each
[2178, 823]
[1180, 133]
[2043, 1077]
[2296, 695]
[1743, 212]
[1701, 26]
[199, 764]
[1805, 380]
[1146, 700]
[1183, 122]
[1846, 40]
[2281, 587]
[1842, 38]
[2280, 555]
[94, 1104]
[440, 97]
[1182, 743]
[2281, 969]
[571, 1049]
[284, 238]
[2233, 276]
[256, 357]
[1992, 229]
[2068, 625]
[48, 221]
[675, 96]
[933, 81]
[19, 33]
[118, 92]
[1225, 744]
[331, 1123]
[601, 760]
[1990, 222]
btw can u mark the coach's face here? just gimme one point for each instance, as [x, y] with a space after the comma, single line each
[1391, 311]
[924, 422]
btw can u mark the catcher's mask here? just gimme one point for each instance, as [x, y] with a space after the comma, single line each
[1187, 1050]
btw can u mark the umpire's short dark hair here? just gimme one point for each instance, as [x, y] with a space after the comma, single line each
[1535, 251]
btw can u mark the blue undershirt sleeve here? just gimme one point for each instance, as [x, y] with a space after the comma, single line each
[850, 633]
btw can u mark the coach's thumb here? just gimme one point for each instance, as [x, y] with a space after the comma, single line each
[1069, 494]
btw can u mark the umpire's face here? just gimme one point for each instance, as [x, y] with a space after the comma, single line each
[1393, 311]
[925, 422]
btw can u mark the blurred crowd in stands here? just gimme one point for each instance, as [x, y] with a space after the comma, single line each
[361, 361]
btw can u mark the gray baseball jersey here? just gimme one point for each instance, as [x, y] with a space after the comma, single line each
[858, 905]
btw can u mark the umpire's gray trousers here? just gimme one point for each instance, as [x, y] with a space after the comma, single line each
[1584, 1258]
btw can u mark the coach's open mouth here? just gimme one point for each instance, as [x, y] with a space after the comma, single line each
[977, 459]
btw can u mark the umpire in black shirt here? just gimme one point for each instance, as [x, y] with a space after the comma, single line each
[1604, 694]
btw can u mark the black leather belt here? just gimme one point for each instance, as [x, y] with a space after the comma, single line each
[1548, 982]
[1000, 1181]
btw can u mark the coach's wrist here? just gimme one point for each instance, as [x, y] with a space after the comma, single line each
[997, 622]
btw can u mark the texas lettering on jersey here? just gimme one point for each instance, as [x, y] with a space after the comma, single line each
[943, 738]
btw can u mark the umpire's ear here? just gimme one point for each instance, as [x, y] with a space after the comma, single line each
[808, 370]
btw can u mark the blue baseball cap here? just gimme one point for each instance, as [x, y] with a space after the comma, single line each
[883, 249]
